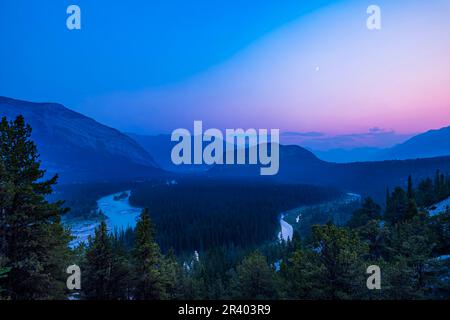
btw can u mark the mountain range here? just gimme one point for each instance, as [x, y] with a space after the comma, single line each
[160, 147]
[78, 147]
[81, 149]
[298, 165]
[433, 143]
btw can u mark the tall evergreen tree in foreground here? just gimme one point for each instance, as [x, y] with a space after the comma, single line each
[33, 243]
[149, 280]
[299, 275]
[340, 265]
[105, 272]
[254, 279]
[368, 211]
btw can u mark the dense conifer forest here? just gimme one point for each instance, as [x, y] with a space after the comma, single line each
[410, 246]
[200, 214]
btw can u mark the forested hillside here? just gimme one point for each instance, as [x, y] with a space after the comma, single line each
[199, 214]
[298, 165]
[410, 247]
[231, 257]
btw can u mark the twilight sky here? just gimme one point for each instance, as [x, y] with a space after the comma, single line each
[310, 68]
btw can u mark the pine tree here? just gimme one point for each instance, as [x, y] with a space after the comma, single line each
[33, 240]
[121, 269]
[410, 188]
[398, 206]
[149, 283]
[104, 270]
[375, 235]
[299, 275]
[96, 270]
[439, 186]
[340, 262]
[440, 232]
[388, 199]
[254, 279]
[193, 281]
[410, 244]
[210, 272]
[425, 193]
[411, 210]
[368, 211]
[172, 276]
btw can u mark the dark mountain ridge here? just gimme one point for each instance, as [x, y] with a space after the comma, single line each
[430, 144]
[298, 165]
[433, 143]
[81, 149]
[78, 147]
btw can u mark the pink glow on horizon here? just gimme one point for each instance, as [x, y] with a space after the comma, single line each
[324, 73]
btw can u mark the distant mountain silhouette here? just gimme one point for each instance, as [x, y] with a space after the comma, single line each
[430, 144]
[81, 149]
[160, 146]
[298, 165]
[341, 155]
[433, 143]
[78, 147]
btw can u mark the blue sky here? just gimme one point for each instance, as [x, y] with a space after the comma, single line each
[126, 45]
[301, 66]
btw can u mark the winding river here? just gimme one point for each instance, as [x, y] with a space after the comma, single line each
[118, 210]
[119, 213]
[287, 231]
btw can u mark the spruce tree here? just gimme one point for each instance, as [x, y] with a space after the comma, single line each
[32, 239]
[368, 211]
[97, 266]
[299, 274]
[375, 235]
[172, 275]
[121, 270]
[411, 210]
[105, 271]
[254, 279]
[425, 193]
[397, 211]
[410, 188]
[410, 245]
[340, 266]
[149, 283]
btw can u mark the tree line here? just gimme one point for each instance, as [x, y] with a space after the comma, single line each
[410, 247]
[198, 214]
